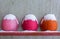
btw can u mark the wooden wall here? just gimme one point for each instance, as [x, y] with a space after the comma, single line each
[37, 7]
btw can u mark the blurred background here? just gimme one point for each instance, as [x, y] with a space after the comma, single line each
[37, 7]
